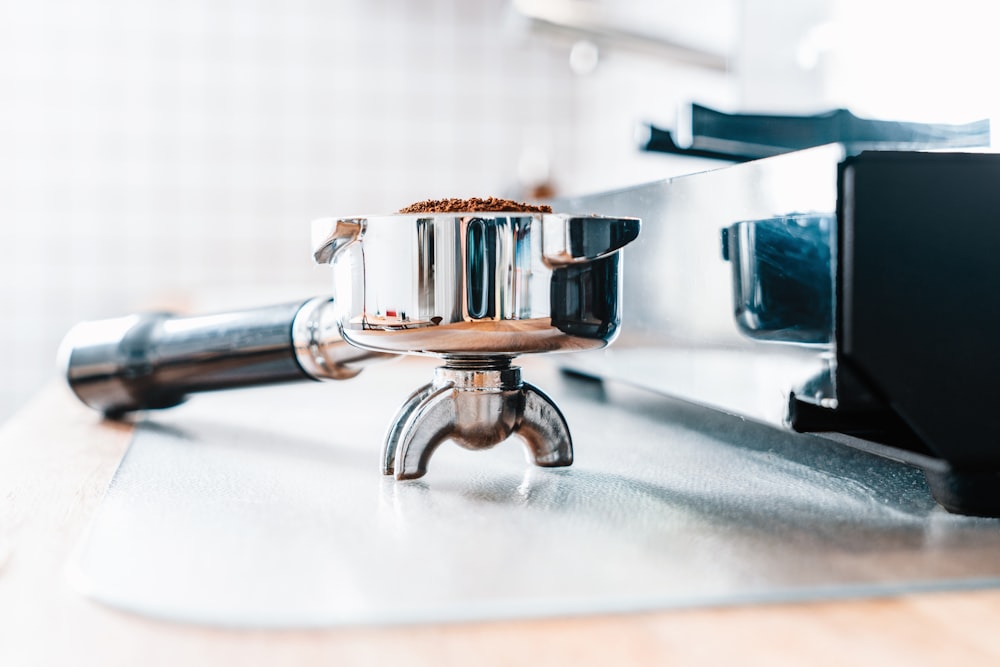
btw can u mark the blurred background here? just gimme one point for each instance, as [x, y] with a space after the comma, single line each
[174, 152]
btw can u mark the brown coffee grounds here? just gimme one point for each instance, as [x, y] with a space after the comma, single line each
[455, 205]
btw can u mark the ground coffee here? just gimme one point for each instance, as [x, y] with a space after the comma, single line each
[455, 205]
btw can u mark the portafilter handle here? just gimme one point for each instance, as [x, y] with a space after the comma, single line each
[156, 360]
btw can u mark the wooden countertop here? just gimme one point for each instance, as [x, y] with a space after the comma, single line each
[57, 457]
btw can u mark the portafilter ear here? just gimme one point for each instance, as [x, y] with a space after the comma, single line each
[331, 235]
[574, 239]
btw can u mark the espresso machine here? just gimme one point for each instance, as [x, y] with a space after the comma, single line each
[852, 294]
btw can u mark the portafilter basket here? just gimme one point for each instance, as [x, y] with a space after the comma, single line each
[475, 289]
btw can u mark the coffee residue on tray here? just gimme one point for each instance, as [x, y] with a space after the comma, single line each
[478, 204]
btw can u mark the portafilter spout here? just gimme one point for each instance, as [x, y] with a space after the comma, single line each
[476, 403]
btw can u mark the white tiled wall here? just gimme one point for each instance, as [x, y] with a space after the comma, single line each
[151, 149]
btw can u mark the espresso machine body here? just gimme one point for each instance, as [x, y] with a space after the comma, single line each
[850, 295]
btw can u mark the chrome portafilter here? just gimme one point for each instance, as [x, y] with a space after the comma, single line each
[474, 289]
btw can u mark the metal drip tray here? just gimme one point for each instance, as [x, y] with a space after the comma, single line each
[267, 508]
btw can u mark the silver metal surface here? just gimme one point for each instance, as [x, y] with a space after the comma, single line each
[476, 284]
[91, 359]
[685, 332]
[156, 360]
[320, 349]
[247, 510]
[477, 408]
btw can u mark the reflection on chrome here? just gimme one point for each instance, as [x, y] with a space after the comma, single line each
[487, 285]
[783, 277]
